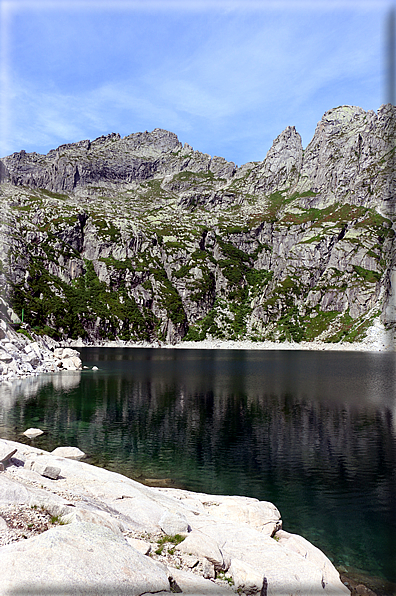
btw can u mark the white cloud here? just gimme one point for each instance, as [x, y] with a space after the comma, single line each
[231, 79]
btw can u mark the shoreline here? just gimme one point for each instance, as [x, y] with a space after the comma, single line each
[223, 541]
[26, 469]
[209, 344]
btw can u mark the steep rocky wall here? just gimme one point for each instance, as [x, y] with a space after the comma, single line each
[143, 238]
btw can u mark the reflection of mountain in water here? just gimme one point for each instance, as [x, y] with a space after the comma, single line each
[24, 389]
[312, 432]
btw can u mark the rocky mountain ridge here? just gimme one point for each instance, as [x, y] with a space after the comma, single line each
[143, 238]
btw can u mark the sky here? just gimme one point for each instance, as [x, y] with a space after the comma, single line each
[226, 76]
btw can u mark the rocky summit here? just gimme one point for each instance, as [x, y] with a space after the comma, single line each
[142, 238]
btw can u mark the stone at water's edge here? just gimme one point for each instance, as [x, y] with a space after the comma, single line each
[112, 520]
[22, 356]
[68, 452]
[32, 433]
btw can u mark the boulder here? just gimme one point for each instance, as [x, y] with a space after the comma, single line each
[72, 363]
[203, 547]
[78, 559]
[5, 455]
[33, 360]
[44, 466]
[287, 571]
[140, 545]
[172, 524]
[63, 353]
[88, 513]
[5, 357]
[208, 570]
[261, 515]
[12, 492]
[68, 452]
[246, 578]
[32, 433]
[97, 498]
[45, 470]
[193, 585]
[300, 545]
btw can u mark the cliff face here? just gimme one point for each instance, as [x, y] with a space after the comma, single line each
[142, 238]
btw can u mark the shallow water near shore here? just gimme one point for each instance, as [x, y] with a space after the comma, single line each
[313, 432]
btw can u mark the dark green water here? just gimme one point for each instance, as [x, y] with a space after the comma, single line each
[313, 432]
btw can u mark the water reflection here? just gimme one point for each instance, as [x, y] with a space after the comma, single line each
[312, 432]
[13, 391]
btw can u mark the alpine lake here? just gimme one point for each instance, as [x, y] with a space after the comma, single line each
[312, 432]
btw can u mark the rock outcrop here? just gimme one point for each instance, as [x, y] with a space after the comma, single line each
[142, 238]
[109, 534]
[23, 354]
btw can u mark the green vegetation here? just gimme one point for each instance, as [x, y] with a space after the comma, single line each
[26, 334]
[345, 324]
[168, 539]
[182, 272]
[56, 520]
[225, 577]
[316, 325]
[176, 256]
[51, 305]
[235, 264]
[336, 213]
[207, 325]
[53, 195]
[275, 202]
[107, 230]
[305, 193]
[188, 176]
[170, 298]
[203, 287]
[370, 276]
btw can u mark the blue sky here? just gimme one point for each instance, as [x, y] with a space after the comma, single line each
[226, 76]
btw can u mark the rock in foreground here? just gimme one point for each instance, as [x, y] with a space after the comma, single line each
[103, 524]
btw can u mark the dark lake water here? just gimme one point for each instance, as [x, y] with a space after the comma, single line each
[313, 432]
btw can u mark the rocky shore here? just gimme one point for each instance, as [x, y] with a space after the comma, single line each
[24, 353]
[377, 340]
[22, 356]
[72, 528]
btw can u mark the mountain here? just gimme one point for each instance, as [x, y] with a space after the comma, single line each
[143, 238]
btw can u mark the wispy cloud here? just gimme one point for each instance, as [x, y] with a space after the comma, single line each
[226, 79]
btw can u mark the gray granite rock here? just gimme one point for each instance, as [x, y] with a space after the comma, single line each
[318, 221]
[68, 452]
[110, 520]
[172, 524]
[32, 433]
[6, 454]
[76, 559]
[202, 546]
